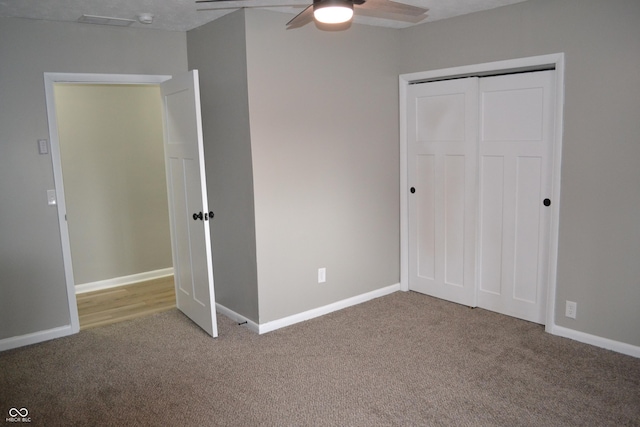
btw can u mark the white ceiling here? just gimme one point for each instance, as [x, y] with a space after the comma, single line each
[183, 15]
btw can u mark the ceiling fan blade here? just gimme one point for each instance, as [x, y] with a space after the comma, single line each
[375, 13]
[245, 7]
[390, 6]
[301, 19]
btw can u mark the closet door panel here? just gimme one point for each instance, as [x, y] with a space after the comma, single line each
[516, 126]
[442, 142]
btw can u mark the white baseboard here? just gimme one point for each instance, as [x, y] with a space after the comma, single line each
[124, 280]
[36, 337]
[617, 346]
[253, 326]
[306, 315]
[320, 311]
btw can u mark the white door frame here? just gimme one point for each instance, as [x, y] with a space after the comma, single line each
[50, 79]
[552, 61]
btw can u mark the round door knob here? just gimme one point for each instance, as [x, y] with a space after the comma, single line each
[546, 202]
[412, 189]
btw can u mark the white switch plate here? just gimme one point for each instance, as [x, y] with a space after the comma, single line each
[43, 147]
[322, 275]
[51, 197]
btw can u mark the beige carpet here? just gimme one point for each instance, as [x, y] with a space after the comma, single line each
[404, 359]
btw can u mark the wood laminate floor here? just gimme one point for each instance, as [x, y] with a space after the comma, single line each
[125, 302]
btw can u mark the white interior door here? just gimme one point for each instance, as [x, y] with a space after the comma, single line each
[188, 208]
[442, 143]
[515, 149]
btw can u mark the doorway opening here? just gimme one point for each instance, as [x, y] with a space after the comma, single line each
[189, 214]
[106, 138]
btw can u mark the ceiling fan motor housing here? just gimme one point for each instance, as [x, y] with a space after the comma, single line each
[384, 9]
[333, 11]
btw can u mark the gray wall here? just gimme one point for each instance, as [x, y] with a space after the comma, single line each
[324, 139]
[217, 50]
[111, 144]
[33, 293]
[320, 161]
[600, 203]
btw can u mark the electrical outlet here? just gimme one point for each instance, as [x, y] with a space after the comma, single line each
[571, 309]
[322, 275]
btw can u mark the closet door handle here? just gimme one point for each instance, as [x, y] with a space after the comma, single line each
[412, 189]
[546, 202]
[197, 216]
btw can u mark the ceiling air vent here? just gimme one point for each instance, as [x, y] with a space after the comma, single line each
[105, 20]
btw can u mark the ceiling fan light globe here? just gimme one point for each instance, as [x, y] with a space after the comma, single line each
[333, 13]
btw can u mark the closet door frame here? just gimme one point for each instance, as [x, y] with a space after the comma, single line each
[536, 63]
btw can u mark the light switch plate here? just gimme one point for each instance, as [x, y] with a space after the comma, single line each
[43, 146]
[51, 197]
[322, 275]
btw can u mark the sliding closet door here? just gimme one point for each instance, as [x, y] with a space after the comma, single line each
[442, 140]
[515, 148]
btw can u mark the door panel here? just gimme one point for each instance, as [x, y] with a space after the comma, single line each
[454, 216]
[426, 221]
[511, 115]
[438, 116]
[527, 217]
[186, 183]
[516, 136]
[442, 128]
[490, 223]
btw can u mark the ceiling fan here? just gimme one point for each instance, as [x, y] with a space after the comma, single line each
[328, 13]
